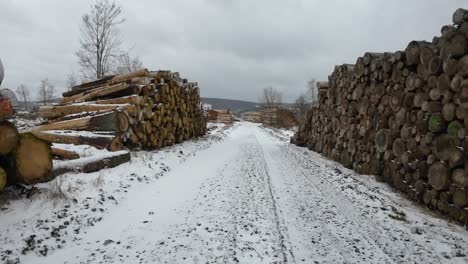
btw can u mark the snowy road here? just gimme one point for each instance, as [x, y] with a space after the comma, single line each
[254, 198]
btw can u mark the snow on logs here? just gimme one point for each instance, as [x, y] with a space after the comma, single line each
[143, 109]
[402, 116]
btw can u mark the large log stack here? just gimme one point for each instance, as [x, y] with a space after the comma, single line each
[142, 109]
[402, 116]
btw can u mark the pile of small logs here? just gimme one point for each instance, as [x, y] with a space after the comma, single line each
[141, 109]
[24, 158]
[278, 117]
[272, 116]
[402, 116]
[220, 116]
[253, 116]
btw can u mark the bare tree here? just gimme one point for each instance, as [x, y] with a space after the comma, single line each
[46, 91]
[71, 80]
[100, 39]
[23, 93]
[127, 63]
[301, 106]
[51, 92]
[43, 91]
[271, 97]
[312, 91]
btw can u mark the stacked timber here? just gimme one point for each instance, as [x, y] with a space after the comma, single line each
[253, 116]
[24, 158]
[272, 116]
[142, 110]
[402, 116]
[220, 116]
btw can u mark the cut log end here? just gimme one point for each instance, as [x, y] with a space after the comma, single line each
[9, 137]
[33, 159]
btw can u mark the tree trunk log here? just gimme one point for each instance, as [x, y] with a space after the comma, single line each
[97, 141]
[93, 164]
[64, 154]
[9, 137]
[439, 176]
[112, 121]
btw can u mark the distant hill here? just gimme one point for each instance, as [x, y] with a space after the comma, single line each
[235, 106]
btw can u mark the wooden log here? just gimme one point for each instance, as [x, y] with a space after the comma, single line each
[77, 89]
[453, 128]
[97, 141]
[443, 146]
[131, 99]
[3, 179]
[460, 197]
[130, 75]
[9, 137]
[322, 85]
[92, 164]
[92, 94]
[64, 154]
[460, 178]
[439, 176]
[413, 51]
[437, 123]
[32, 160]
[63, 110]
[112, 121]
[463, 66]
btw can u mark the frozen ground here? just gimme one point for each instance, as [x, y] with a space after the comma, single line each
[239, 195]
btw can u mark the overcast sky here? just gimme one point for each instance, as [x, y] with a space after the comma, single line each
[233, 48]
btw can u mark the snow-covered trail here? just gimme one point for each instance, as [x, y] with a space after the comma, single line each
[254, 198]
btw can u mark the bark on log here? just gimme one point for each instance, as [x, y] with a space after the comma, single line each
[63, 110]
[93, 164]
[9, 137]
[3, 179]
[64, 154]
[112, 121]
[97, 141]
[129, 76]
[98, 92]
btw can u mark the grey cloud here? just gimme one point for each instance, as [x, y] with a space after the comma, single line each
[232, 48]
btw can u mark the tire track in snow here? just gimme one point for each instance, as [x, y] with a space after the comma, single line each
[350, 210]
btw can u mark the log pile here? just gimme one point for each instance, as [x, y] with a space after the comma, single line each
[142, 110]
[402, 116]
[273, 116]
[24, 158]
[253, 116]
[220, 116]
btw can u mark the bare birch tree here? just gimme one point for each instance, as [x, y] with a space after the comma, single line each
[100, 43]
[312, 91]
[71, 80]
[46, 91]
[23, 93]
[301, 106]
[271, 97]
[51, 92]
[43, 91]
